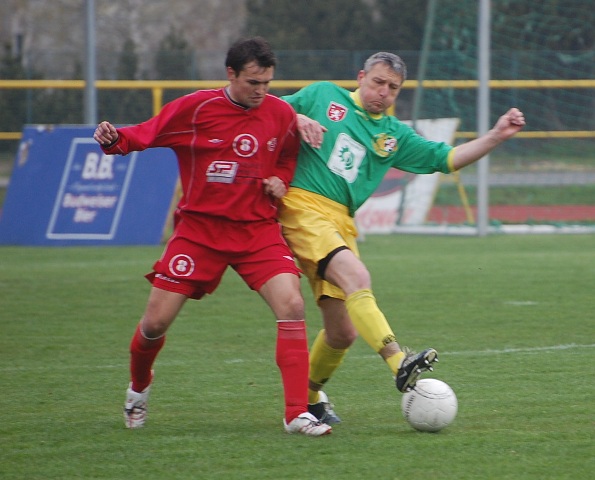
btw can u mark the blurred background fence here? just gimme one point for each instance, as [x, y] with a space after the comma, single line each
[544, 176]
[542, 60]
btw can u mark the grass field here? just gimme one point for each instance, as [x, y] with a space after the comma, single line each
[512, 317]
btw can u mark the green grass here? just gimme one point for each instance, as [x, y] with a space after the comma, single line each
[512, 318]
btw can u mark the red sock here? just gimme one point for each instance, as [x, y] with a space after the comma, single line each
[142, 356]
[292, 359]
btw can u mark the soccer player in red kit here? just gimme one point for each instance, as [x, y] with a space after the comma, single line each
[236, 149]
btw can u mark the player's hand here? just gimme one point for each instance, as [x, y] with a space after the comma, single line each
[311, 131]
[509, 124]
[274, 186]
[105, 134]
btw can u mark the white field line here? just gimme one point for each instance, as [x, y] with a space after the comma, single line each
[570, 346]
[504, 351]
[173, 363]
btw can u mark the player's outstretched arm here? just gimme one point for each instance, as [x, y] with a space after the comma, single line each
[506, 127]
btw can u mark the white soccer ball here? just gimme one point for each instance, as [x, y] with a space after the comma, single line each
[430, 406]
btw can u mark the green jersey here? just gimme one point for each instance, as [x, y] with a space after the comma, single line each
[358, 147]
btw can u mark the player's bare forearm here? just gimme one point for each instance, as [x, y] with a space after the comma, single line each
[506, 127]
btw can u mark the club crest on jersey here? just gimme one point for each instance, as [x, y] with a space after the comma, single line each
[384, 144]
[272, 144]
[336, 112]
[245, 145]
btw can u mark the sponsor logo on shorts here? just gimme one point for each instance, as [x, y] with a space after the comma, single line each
[165, 278]
[181, 265]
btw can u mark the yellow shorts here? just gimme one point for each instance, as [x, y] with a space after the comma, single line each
[314, 226]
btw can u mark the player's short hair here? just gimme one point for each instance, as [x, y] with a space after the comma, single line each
[395, 62]
[246, 50]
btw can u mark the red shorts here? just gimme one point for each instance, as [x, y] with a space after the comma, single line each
[200, 250]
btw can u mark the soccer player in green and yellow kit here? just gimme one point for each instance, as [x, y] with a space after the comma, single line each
[348, 145]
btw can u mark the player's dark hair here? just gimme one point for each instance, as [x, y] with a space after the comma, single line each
[255, 49]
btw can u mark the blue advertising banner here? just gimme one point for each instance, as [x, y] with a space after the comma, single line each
[65, 191]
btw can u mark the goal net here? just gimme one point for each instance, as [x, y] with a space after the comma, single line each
[542, 60]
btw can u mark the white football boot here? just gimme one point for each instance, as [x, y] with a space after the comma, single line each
[135, 407]
[307, 424]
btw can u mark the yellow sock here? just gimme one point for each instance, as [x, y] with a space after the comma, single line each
[371, 324]
[324, 360]
[395, 361]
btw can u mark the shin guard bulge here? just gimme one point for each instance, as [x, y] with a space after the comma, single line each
[292, 359]
[370, 322]
[324, 360]
[143, 352]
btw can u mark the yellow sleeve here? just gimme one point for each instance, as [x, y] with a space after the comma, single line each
[450, 161]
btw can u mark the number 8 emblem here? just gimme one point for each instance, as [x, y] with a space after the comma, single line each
[245, 145]
[181, 265]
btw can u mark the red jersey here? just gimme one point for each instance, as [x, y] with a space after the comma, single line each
[224, 151]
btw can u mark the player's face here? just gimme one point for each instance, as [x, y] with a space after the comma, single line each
[379, 87]
[251, 85]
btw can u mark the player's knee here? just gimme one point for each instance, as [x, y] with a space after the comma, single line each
[341, 338]
[349, 337]
[364, 279]
[153, 328]
[294, 307]
[352, 279]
